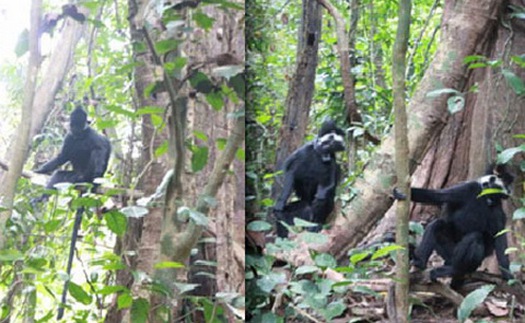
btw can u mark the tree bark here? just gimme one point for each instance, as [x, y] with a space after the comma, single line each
[402, 170]
[21, 147]
[301, 90]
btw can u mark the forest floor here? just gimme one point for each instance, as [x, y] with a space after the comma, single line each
[429, 306]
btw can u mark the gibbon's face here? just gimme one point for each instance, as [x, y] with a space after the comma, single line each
[495, 182]
[330, 143]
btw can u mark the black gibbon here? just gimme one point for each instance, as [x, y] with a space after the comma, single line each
[470, 228]
[313, 173]
[88, 152]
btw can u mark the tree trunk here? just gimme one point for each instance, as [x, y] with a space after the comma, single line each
[402, 169]
[301, 90]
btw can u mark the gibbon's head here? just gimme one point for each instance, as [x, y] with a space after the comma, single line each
[497, 184]
[330, 140]
[78, 121]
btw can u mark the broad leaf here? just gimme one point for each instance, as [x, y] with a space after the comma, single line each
[199, 158]
[259, 226]
[515, 82]
[139, 310]
[472, 300]
[79, 293]
[116, 222]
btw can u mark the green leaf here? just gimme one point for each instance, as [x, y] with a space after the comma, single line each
[474, 58]
[384, 251]
[519, 214]
[201, 83]
[325, 260]
[164, 46]
[139, 311]
[357, 257]
[259, 226]
[108, 290]
[334, 309]
[314, 238]
[134, 211]
[477, 65]
[506, 155]
[116, 222]
[221, 143]
[198, 217]
[204, 21]
[86, 201]
[491, 191]
[118, 109]
[124, 300]
[224, 4]
[306, 270]
[240, 155]
[200, 135]
[215, 100]
[151, 110]
[472, 300]
[515, 82]
[228, 71]
[79, 293]
[10, 255]
[162, 149]
[51, 226]
[455, 103]
[22, 44]
[199, 158]
[168, 264]
[436, 93]
[298, 222]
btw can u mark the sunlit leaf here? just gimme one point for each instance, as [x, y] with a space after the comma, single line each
[200, 135]
[168, 264]
[204, 21]
[10, 255]
[79, 293]
[215, 99]
[108, 290]
[116, 222]
[164, 46]
[490, 191]
[151, 110]
[124, 300]
[134, 211]
[162, 149]
[240, 155]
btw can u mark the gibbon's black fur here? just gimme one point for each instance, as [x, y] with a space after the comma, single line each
[88, 152]
[468, 231]
[313, 173]
[84, 148]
